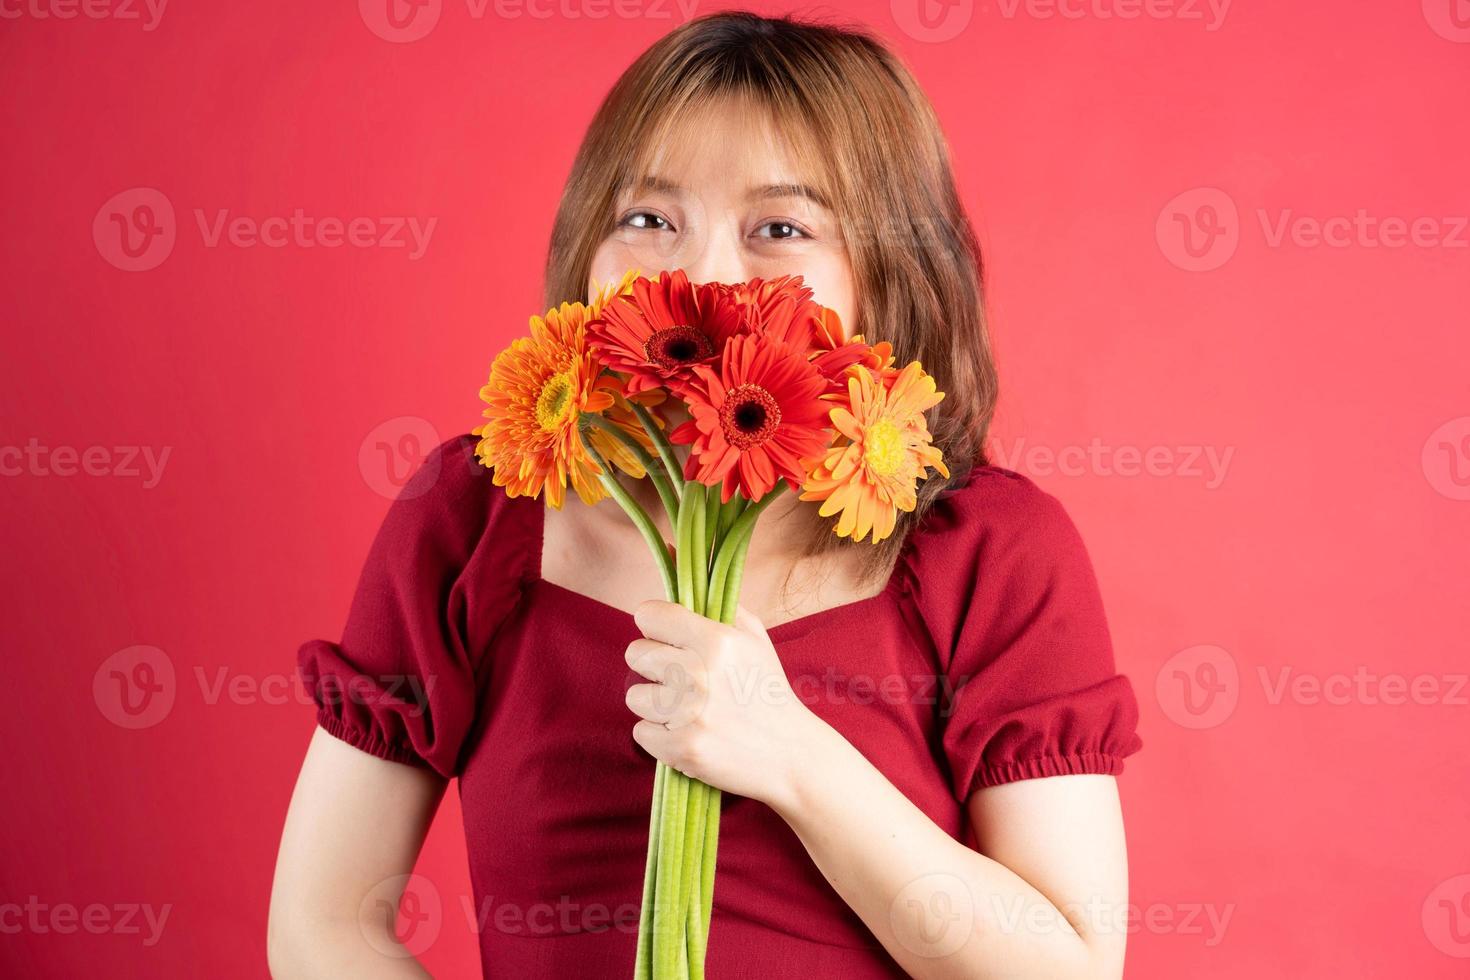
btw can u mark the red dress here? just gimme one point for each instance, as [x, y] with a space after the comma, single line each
[985, 660]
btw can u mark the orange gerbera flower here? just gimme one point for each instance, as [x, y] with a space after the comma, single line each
[539, 388]
[661, 328]
[881, 452]
[879, 359]
[754, 420]
[835, 352]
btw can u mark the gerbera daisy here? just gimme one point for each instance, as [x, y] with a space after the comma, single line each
[754, 419]
[660, 329]
[781, 308]
[881, 452]
[538, 390]
[879, 359]
[784, 309]
[835, 352]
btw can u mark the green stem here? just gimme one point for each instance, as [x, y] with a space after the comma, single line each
[698, 545]
[669, 949]
[638, 515]
[662, 444]
[707, 873]
[730, 588]
[721, 602]
[643, 963]
[655, 472]
[711, 526]
[691, 888]
[730, 510]
[684, 550]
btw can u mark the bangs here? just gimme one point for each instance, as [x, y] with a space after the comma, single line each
[671, 132]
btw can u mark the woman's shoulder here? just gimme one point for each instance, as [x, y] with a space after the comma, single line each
[992, 544]
[1005, 588]
[991, 506]
[452, 509]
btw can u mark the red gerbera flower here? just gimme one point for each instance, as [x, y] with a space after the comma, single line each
[755, 420]
[785, 310]
[657, 332]
[781, 308]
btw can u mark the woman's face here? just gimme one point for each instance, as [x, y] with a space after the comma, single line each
[729, 206]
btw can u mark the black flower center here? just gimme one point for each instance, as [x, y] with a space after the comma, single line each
[749, 416]
[675, 347]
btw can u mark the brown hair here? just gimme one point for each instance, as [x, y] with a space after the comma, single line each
[868, 127]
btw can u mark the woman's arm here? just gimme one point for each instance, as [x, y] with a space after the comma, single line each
[355, 822]
[942, 909]
[1041, 901]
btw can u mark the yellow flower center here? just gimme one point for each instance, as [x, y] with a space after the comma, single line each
[555, 401]
[883, 447]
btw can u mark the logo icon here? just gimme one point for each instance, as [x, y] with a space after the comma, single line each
[933, 916]
[1446, 916]
[1198, 687]
[1199, 230]
[392, 454]
[135, 687]
[135, 230]
[415, 919]
[1450, 19]
[932, 21]
[400, 21]
[1446, 459]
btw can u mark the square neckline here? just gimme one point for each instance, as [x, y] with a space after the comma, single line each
[781, 632]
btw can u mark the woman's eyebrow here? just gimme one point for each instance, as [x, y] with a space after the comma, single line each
[790, 190]
[654, 184]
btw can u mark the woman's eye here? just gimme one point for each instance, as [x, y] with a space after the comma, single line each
[647, 220]
[780, 230]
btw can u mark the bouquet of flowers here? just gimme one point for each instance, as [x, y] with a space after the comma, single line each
[778, 396]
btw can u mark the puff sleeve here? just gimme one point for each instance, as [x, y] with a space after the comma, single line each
[401, 684]
[1007, 591]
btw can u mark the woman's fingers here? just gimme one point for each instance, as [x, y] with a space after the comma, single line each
[654, 702]
[651, 659]
[656, 740]
[678, 693]
[671, 623]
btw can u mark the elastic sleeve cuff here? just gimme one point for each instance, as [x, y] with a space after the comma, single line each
[1079, 764]
[368, 741]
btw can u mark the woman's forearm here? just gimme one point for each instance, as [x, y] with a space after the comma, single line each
[340, 949]
[339, 878]
[939, 907]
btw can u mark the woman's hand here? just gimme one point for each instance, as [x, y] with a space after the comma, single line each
[732, 719]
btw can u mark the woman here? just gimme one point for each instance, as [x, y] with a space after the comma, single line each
[917, 739]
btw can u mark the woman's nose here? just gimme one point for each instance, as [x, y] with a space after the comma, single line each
[716, 257]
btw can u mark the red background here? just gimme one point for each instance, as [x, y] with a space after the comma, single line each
[1330, 828]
